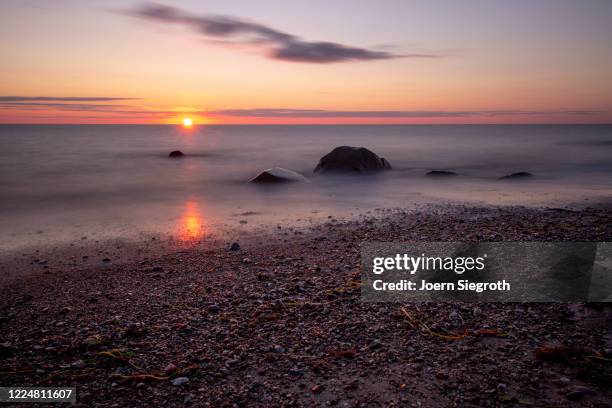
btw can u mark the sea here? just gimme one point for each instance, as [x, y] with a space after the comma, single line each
[65, 183]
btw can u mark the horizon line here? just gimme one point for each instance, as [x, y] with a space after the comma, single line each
[315, 124]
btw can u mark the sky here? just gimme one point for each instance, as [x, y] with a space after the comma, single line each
[320, 61]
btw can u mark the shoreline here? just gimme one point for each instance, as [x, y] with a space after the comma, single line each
[280, 322]
[85, 253]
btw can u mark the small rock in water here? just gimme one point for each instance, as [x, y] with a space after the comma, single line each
[176, 154]
[180, 381]
[441, 173]
[518, 175]
[278, 175]
[235, 246]
[106, 260]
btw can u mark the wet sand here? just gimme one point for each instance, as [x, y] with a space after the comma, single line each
[279, 322]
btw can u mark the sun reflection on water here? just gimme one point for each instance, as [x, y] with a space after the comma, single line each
[192, 225]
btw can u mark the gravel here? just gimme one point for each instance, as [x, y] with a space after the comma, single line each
[287, 328]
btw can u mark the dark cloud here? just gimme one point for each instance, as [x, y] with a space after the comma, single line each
[61, 99]
[279, 45]
[321, 113]
[60, 106]
[119, 109]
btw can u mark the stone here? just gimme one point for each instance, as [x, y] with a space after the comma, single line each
[180, 381]
[579, 393]
[175, 154]
[278, 175]
[517, 176]
[347, 159]
[440, 173]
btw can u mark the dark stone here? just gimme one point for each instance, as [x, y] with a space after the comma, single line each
[579, 393]
[277, 175]
[347, 159]
[6, 349]
[176, 154]
[515, 176]
[440, 173]
[235, 246]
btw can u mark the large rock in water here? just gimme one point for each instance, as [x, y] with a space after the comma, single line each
[345, 159]
[277, 175]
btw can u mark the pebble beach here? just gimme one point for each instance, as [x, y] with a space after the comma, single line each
[277, 321]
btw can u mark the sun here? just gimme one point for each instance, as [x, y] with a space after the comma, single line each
[187, 122]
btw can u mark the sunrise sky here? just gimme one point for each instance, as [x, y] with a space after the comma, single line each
[275, 61]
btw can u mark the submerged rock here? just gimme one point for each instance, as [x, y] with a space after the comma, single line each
[277, 175]
[176, 154]
[440, 173]
[518, 175]
[346, 159]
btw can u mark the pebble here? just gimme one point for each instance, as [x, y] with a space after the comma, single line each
[579, 393]
[318, 313]
[78, 364]
[180, 381]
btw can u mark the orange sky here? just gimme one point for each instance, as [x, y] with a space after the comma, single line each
[387, 62]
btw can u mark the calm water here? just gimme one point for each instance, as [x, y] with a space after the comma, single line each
[60, 183]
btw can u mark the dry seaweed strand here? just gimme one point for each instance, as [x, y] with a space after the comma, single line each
[424, 328]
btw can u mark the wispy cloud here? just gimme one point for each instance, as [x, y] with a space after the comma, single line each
[278, 44]
[61, 106]
[62, 99]
[76, 104]
[43, 105]
[321, 113]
